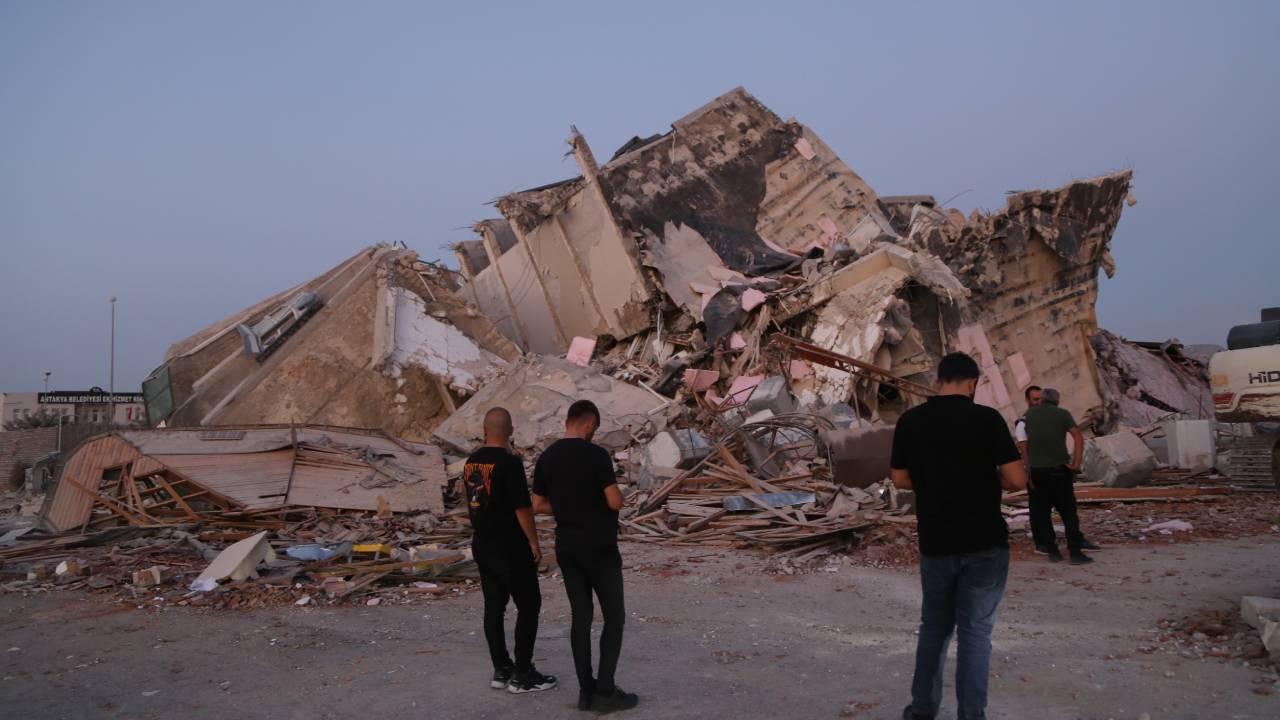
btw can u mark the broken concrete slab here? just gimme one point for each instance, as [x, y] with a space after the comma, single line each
[1271, 640]
[860, 455]
[1257, 610]
[677, 448]
[772, 394]
[1143, 382]
[1190, 444]
[539, 390]
[443, 350]
[388, 326]
[237, 562]
[1119, 461]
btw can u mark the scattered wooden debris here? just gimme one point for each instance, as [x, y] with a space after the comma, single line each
[765, 485]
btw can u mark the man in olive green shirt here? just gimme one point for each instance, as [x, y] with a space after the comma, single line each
[1052, 477]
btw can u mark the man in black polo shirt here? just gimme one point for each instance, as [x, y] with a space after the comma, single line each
[957, 456]
[505, 548]
[574, 480]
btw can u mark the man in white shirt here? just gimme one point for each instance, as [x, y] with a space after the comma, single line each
[1034, 395]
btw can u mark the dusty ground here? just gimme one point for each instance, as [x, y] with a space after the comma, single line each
[709, 636]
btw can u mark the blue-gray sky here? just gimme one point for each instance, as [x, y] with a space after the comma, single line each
[193, 158]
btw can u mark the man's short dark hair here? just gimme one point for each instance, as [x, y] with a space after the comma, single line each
[957, 367]
[1030, 389]
[582, 408]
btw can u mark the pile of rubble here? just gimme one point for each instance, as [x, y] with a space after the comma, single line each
[327, 558]
[748, 314]
[1249, 637]
[766, 484]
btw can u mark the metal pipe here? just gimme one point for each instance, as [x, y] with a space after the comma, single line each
[111, 377]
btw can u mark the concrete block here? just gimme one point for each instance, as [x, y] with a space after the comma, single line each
[1191, 445]
[152, 576]
[842, 415]
[677, 448]
[1159, 446]
[1257, 610]
[69, 567]
[1271, 640]
[860, 456]
[1121, 460]
[772, 394]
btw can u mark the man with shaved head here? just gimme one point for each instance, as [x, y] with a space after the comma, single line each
[505, 547]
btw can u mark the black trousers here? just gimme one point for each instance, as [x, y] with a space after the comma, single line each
[509, 573]
[1054, 488]
[587, 570]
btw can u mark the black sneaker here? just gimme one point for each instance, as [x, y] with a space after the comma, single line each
[1086, 545]
[619, 699]
[584, 699]
[1054, 555]
[501, 678]
[531, 681]
[909, 714]
[1043, 549]
[1079, 558]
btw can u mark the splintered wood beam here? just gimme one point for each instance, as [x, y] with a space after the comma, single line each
[174, 494]
[109, 504]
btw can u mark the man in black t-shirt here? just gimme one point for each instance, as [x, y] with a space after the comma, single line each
[957, 456]
[505, 548]
[574, 480]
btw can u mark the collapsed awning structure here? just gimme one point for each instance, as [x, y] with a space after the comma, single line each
[145, 477]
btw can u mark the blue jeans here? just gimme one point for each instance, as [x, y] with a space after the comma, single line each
[961, 593]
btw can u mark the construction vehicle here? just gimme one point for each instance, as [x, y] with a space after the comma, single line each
[266, 335]
[1245, 381]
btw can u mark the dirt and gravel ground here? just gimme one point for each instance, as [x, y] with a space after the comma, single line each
[708, 635]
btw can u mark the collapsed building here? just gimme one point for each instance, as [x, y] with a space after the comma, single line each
[382, 341]
[690, 250]
[748, 314]
[735, 222]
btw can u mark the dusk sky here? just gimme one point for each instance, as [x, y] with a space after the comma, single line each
[194, 158]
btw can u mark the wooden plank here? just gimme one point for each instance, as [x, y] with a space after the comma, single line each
[110, 505]
[700, 524]
[174, 493]
[1140, 493]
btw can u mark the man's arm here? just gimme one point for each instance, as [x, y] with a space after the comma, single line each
[608, 479]
[541, 505]
[613, 497]
[1013, 476]
[525, 517]
[1077, 452]
[901, 478]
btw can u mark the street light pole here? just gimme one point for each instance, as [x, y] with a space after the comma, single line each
[111, 375]
[46, 380]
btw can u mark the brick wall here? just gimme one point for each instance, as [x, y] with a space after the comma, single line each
[19, 448]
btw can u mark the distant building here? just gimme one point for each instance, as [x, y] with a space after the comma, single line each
[75, 406]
